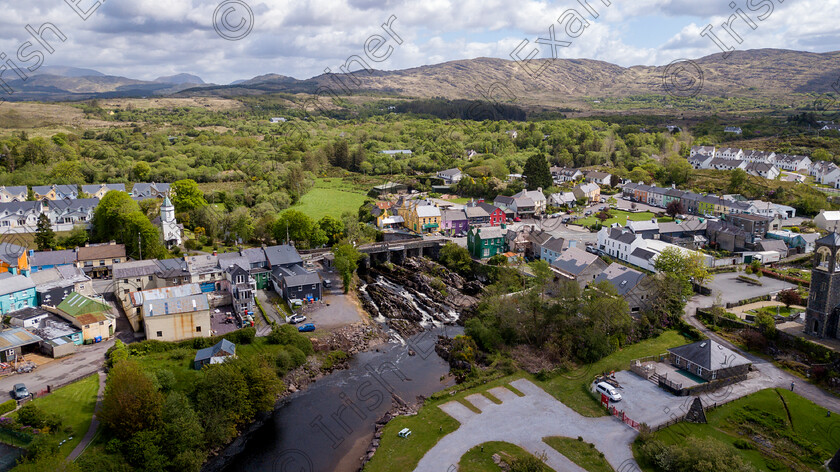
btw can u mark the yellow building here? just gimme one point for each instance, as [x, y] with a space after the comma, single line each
[423, 218]
[175, 319]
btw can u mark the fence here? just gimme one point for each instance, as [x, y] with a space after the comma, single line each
[624, 418]
[747, 301]
[786, 278]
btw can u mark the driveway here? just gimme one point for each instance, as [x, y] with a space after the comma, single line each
[524, 421]
[87, 360]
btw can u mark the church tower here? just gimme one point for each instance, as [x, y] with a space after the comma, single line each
[824, 300]
[167, 211]
[171, 232]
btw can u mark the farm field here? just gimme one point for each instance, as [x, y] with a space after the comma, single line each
[333, 197]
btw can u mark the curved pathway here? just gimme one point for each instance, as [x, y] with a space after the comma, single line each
[524, 421]
[94, 423]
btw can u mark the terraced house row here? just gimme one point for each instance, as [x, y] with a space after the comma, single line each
[704, 205]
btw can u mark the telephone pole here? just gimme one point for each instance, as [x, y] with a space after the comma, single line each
[140, 244]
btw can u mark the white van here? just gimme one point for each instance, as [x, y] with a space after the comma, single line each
[608, 390]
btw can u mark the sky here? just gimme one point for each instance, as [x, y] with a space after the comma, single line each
[226, 40]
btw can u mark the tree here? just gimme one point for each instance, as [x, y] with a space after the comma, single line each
[131, 403]
[77, 237]
[542, 272]
[333, 228]
[456, 258]
[537, 172]
[737, 179]
[674, 208]
[187, 196]
[346, 262]
[119, 218]
[44, 234]
[790, 297]
[141, 171]
[678, 169]
[295, 225]
[638, 174]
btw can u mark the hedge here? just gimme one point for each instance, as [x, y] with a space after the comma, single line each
[240, 336]
[7, 406]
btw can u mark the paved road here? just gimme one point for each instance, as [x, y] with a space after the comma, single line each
[524, 421]
[86, 361]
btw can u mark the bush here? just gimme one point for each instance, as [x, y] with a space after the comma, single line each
[241, 336]
[165, 380]
[743, 444]
[334, 358]
[288, 335]
[7, 406]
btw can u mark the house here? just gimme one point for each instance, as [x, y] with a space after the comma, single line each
[143, 190]
[58, 337]
[171, 233]
[688, 233]
[762, 169]
[691, 202]
[518, 241]
[792, 163]
[53, 285]
[277, 120]
[701, 161]
[134, 276]
[720, 163]
[728, 237]
[647, 229]
[528, 203]
[67, 214]
[450, 176]
[756, 225]
[553, 248]
[135, 300]
[730, 153]
[564, 199]
[589, 192]
[395, 152]
[733, 129]
[763, 208]
[622, 244]
[29, 317]
[506, 204]
[486, 242]
[16, 292]
[828, 220]
[42, 260]
[656, 196]
[578, 265]
[97, 260]
[99, 191]
[709, 360]
[288, 276]
[14, 259]
[20, 217]
[597, 177]
[222, 351]
[55, 192]
[175, 319]
[385, 221]
[423, 218]
[477, 215]
[96, 319]
[14, 341]
[565, 174]
[257, 262]
[704, 150]
[774, 245]
[495, 215]
[760, 156]
[239, 283]
[829, 175]
[830, 127]
[512, 133]
[13, 193]
[629, 283]
[454, 221]
[388, 189]
[802, 243]
[671, 195]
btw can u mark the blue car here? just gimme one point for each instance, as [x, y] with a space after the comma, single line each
[307, 327]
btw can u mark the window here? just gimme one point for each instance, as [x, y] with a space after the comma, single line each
[125, 281]
[116, 261]
[101, 263]
[198, 329]
[101, 323]
[88, 263]
[150, 278]
[160, 334]
[82, 287]
[21, 222]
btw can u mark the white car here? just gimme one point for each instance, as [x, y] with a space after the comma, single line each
[608, 390]
[297, 319]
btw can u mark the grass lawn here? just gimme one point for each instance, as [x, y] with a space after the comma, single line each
[785, 431]
[620, 216]
[74, 404]
[477, 461]
[773, 311]
[331, 196]
[460, 201]
[581, 453]
[571, 388]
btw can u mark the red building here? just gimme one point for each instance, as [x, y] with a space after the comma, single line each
[497, 215]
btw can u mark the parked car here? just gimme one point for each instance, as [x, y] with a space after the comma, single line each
[566, 219]
[587, 213]
[608, 390]
[306, 328]
[327, 283]
[517, 219]
[20, 392]
[297, 319]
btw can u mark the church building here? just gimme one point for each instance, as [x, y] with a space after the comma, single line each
[821, 318]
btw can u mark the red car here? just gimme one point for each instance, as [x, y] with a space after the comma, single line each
[517, 219]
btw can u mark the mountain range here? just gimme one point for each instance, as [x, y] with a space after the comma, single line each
[761, 73]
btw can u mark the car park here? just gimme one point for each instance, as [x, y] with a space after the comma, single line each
[608, 390]
[295, 319]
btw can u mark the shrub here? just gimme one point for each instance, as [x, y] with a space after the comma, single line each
[743, 444]
[165, 380]
[241, 336]
[334, 358]
[7, 406]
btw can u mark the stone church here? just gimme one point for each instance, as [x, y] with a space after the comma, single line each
[821, 319]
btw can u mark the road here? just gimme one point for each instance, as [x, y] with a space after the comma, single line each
[87, 360]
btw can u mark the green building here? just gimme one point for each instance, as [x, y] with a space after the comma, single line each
[486, 242]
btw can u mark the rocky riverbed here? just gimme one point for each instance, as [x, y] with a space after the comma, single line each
[417, 294]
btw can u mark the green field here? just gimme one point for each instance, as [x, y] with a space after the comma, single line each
[331, 196]
[431, 424]
[581, 453]
[775, 428]
[621, 217]
[74, 404]
[480, 458]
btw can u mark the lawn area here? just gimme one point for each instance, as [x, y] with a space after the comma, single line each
[477, 461]
[74, 404]
[774, 310]
[621, 217]
[460, 201]
[571, 388]
[775, 428]
[331, 196]
[581, 453]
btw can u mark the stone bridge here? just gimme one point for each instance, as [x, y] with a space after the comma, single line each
[398, 251]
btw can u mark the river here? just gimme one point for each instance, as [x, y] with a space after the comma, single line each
[329, 426]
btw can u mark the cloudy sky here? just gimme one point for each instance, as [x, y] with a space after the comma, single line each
[145, 39]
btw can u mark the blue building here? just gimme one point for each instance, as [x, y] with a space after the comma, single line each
[42, 260]
[16, 292]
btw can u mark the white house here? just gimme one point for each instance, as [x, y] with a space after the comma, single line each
[793, 163]
[703, 150]
[762, 169]
[451, 176]
[730, 153]
[759, 156]
[701, 161]
[565, 174]
[733, 129]
[727, 164]
[562, 199]
[600, 178]
[828, 220]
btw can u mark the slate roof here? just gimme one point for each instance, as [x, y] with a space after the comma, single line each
[15, 189]
[476, 212]
[454, 215]
[91, 189]
[556, 244]
[427, 211]
[643, 254]
[28, 313]
[15, 283]
[141, 297]
[174, 306]
[774, 245]
[100, 251]
[47, 258]
[710, 355]
[625, 237]
[623, 278]
[296, 276]
[10, 253]
[126, 270]
[209, 352]
[450, 172]
[282, 255]
[58, 277]
[20, 208]
[644, 225]
[574, 261]
[488, 207]
[60, 189]
[168, 268]
[490, 232]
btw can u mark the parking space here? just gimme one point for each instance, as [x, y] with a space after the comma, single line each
[644, 402]
[731, 289]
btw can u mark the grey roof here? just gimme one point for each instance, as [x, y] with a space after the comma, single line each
[644, 225]
[831, 239]
[255, 255]
[774, 245]
[144, 187]
[643, 253]
[282, 255]
[296, 275]
[208, 352]
[574, 261]
[15, 189]
[475, 212]
[28, 313]
[20, 208]
[710, 355]
[235, 261]
[682, 227]
[172, 306]
[91, 189]
[61, 189]
[488, 207]
[168, 268]
[810, 237]
[16, 337]
[506, 201]
[124, 270]
[58, 277]
[45, 258]
[625, 237]
[623, 278]
[490, 232]
[203, 264]
[10, 253]
[539, 237]
[596, 174]
[450, 172]
[556, 244]
[454, 215]
[15, 283]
